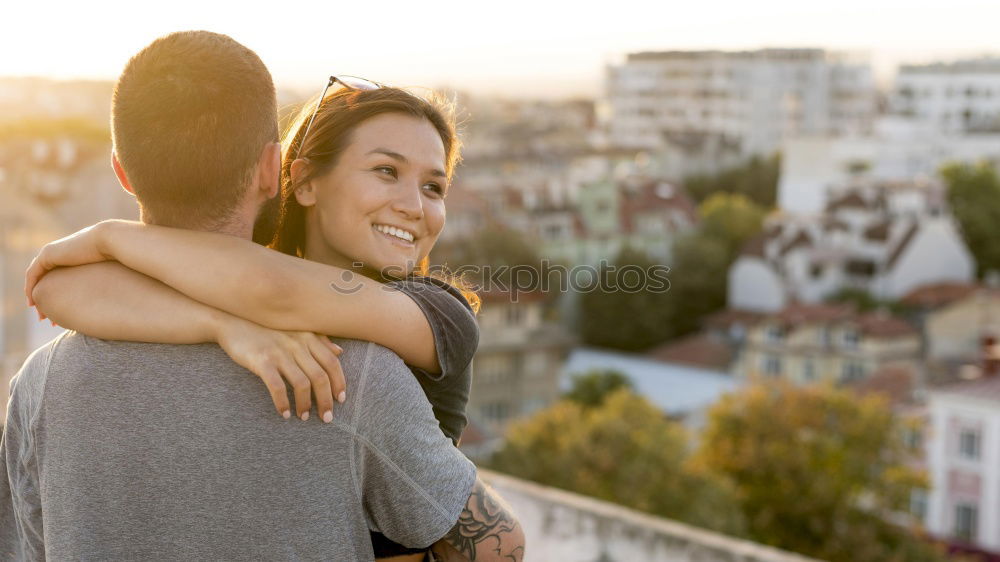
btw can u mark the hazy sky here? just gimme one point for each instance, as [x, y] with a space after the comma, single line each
[518, 48]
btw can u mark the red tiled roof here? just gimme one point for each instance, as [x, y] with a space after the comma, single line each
[937, 294]
[798, 313]
[726, 318]
[700, 350]
[884, 325]
[986, 388]
[651, 196]
[850, 200]
[895, 382]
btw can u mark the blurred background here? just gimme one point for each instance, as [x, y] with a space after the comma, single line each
[821, 379]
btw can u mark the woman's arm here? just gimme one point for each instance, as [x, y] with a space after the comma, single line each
[110, 301]
[264, 286]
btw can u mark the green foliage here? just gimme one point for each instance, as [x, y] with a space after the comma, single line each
[592, 388]
[623, 451]
[625, 319]
[974, 197]
[817, 470]
[732, 219]
[757, 180]
[698, 280]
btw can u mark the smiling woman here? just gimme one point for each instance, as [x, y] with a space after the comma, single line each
[363, 203]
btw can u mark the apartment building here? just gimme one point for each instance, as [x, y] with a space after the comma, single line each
[963, 459]
[749, 101]
[517, 366]
[826, 342]
[959, 97]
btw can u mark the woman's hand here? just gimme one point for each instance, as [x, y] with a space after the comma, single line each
[306, 361]
[79, 248]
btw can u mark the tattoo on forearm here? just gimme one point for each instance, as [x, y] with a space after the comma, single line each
[484, 520]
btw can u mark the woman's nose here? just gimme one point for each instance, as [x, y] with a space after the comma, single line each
[407, 202]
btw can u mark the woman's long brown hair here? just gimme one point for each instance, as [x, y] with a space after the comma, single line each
[338, 116]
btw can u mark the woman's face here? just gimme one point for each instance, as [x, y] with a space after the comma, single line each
[382, 205]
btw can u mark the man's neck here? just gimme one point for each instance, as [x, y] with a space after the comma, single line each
[236, 226]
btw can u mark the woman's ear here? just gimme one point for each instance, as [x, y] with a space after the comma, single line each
[305, 194]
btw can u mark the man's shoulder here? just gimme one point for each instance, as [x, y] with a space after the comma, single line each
[30, 378]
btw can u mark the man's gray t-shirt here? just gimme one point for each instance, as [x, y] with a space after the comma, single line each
[117, 450]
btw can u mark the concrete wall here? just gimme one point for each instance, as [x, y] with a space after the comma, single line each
[567, 527]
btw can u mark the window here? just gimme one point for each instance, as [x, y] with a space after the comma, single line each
[968, 444]
[918, 504]
[809, 370]
[775, 333]
[912, 438]
[772, 365]
[496, 411]
[514, 314]
[852, 371]
[966, 521]
[824, 337]
[851, 339]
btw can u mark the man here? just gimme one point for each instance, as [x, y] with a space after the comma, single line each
[116, 450]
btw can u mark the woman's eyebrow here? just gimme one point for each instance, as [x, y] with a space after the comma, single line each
[397, 156]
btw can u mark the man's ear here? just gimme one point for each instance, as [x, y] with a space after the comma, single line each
[305, 194]
[269, 170]
[120, 172]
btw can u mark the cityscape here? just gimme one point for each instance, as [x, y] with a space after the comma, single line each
[820, 378]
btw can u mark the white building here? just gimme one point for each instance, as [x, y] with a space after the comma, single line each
[884, 239]
[747, 101]
[956, 97]
[898, 149]
[963, 460]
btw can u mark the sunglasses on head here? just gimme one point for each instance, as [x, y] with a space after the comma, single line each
[349, 82]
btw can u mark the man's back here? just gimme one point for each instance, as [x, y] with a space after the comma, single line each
[139, 451]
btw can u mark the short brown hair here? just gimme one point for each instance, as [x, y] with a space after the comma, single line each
[190, 116]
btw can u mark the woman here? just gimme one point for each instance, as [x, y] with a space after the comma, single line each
[363, 201]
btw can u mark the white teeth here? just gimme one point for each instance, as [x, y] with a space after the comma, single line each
[393, 231]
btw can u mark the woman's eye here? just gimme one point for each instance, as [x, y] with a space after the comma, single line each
[436, 188]
[387, 170]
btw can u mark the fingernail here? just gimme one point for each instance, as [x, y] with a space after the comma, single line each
[286, 414]
[304, 416]
[341, 397]
[339, 349]
[328, 417]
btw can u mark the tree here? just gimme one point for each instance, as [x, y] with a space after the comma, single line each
[623, 451]
[592, 388]
[757, 179]
[974, 197]
[698, 280]
[732, 219]
[817, 470]
[627, 310]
